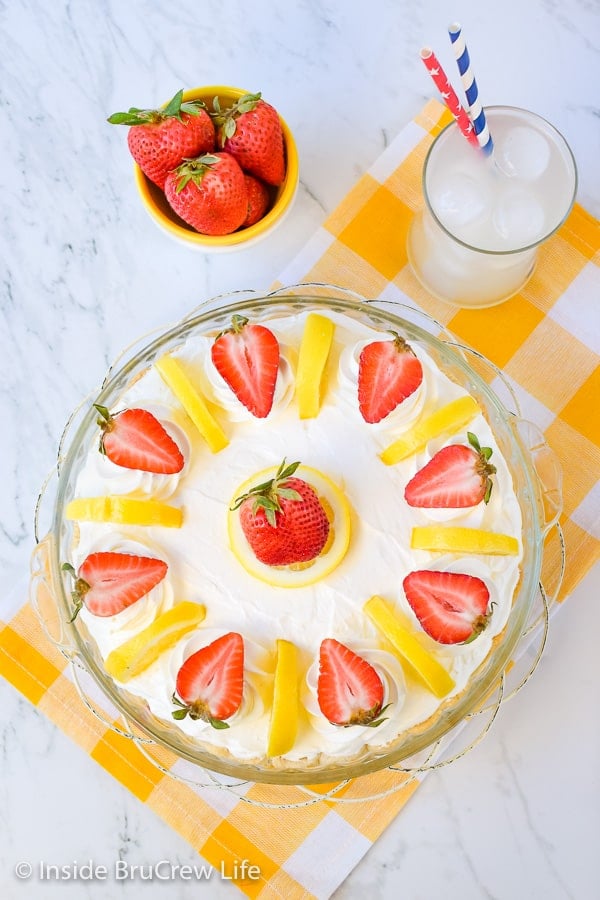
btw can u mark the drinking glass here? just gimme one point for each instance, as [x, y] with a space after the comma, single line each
[475, 242]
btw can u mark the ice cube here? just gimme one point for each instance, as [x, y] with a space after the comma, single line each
[519, 217]
[459, 199]
[522, 153]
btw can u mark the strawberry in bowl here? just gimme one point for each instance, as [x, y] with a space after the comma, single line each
[159, 139]
[252, 133]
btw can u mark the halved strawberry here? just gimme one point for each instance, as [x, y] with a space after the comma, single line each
[349, 690]
[108, 582]
[452, 607]
[455, 478]
[210, 683]
[246, 356]
[388, 373]
[135, 439]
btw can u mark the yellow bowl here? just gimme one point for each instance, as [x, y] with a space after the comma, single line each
[166, 218]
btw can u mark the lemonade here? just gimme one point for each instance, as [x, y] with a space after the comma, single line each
[475, 242]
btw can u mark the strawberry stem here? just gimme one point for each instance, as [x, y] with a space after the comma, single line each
[196, 710]
[401, 344]
[484, 468]
[266, 495]
[80, 589]
[173, 110]
[194, 170]
[225, 119]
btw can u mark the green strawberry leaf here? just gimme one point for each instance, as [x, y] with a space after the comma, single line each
[182, 181]
[124, 118]
[193, 107]
[174, 105]
[286, 471]
[218, 723]
[289, 494]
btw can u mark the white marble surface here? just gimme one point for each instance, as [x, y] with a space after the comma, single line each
[84, 272]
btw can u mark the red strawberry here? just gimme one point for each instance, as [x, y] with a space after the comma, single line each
[451, 607]
[251, 131]
[109, 582]
[349, 690]
[209, 193]
[246, 356]
[210, 683]
[283, 519]
[258, 200]
[135, 439]
[159, 139]
[388, 373]
[455, 478]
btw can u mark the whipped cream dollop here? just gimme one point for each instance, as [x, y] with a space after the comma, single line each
[204, 569]
[114, 479]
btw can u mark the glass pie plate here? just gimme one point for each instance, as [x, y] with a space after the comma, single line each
[534, 469]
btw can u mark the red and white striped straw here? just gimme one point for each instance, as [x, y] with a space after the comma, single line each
[449, 95]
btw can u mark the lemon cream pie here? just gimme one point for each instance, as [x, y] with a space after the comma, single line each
[296, 539]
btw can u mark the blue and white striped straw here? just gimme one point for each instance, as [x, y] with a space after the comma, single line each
[471, 90]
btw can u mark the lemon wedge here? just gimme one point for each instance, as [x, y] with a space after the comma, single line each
[283, 726]
[192, 401]
[445, 420]
[124, 511]
[432, 672]
[463, 540]
[139, 652]
[312, 359]
[338, 512]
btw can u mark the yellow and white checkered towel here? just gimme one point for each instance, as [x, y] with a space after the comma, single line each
[547, 341]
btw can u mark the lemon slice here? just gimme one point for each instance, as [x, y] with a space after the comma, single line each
[338, 512]
[144, 648]
[312, 359]
[193, 402]
[283, 726]
[432, 672]
[124, 511]
[463, 540]
[445, 420]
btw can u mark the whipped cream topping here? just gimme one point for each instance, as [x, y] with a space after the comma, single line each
[101, 472]
[203, 568]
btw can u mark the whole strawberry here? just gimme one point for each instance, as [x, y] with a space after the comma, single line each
[283, 519]
[251, 131]
[159, 139]
[258, 199]
[209, 193]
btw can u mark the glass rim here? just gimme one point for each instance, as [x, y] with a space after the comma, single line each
[525, 247]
